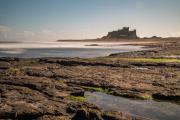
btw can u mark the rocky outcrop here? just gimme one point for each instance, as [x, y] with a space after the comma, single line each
[27, 96]
[40, 89]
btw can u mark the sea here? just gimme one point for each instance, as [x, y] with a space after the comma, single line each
[64, 49]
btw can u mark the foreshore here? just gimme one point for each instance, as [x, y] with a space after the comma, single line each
[53, 88]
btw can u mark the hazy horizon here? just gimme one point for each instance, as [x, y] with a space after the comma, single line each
[50, 20]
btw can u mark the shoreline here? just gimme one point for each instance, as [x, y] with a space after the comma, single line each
[54, 87]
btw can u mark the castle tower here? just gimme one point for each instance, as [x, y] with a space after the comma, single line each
[123, 33]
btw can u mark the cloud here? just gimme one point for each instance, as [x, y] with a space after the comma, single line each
[47, 35]
[28, 33]
[43, 35]
[4, 29]
[175, 34]
[8, 34]
[4, 32]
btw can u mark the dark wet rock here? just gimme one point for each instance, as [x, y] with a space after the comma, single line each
[4, 65]
[157, 64]
[116, 116]
[93, 45]
[84, 111]
[78, 93]
[160, 96]
[71, 108]
[105, 84]
[79, 61]
[89, 83]
[83, 114]
[8, 59]
[53, 117]
[146, 53]
[39, 72]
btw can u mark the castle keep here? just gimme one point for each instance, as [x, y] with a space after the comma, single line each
[122, 33]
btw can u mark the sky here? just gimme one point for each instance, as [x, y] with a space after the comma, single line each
[49, 20]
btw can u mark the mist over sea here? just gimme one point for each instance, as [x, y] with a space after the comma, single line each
[63, 49]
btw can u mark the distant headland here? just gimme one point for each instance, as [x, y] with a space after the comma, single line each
[123, 33]
[118, 35]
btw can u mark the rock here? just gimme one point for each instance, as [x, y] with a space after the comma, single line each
[40, 88]
[93, 45]
[51, 117]
[39, 72]
[112, 115]
[78, 93]
[161, 96]
[84, 114]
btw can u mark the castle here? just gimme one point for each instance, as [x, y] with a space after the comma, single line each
[124, 33]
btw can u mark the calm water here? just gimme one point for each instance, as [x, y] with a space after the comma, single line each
[145, 108]
[63, 49]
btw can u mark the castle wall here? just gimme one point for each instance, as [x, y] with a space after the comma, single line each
[122, 33]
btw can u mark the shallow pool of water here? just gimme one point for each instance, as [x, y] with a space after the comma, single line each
[145, 108]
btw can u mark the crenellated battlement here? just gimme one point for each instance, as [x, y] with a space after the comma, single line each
[122, 33]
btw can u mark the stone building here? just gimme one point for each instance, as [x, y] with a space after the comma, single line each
[124, 33]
